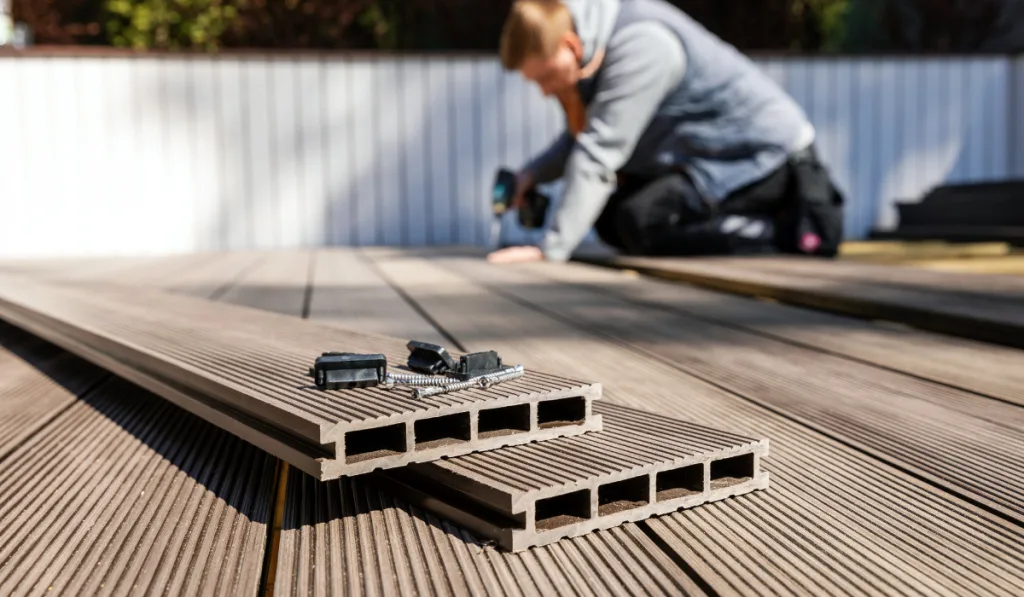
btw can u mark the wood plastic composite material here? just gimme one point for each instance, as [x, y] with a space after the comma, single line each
[125, 493]
[352, 536]
[245, 371]
[37, 382]
[641, 465]
[919, 425]
[980, 307]
[836, 521]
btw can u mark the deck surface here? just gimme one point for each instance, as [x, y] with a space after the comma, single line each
[896, 452]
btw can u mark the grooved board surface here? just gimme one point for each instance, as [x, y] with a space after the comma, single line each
[982, 307]
[124, 492]
[982, 368]
[256, 362]
[349, 293]
[277, 283]
[539, 494]
[349, 537]
[969, 444]
[631, 440]
[836, 519]
[37, 382]
[839, 519]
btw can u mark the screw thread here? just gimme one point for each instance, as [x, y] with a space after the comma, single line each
[483, 381]
[394, 379]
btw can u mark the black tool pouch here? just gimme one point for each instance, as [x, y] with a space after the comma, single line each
[812, 221]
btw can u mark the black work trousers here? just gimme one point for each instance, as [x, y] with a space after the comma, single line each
[666, 216]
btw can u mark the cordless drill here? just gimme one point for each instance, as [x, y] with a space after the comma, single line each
[531, 215]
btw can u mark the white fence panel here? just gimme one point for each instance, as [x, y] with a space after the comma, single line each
[136, 155]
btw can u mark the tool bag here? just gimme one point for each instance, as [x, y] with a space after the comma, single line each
[810, 221]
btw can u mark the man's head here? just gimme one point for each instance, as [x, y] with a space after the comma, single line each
[539, 41]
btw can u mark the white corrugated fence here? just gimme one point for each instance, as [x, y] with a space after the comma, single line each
[156, 154]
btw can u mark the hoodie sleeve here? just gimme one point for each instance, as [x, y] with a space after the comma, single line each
[643, 63]
[550, 164]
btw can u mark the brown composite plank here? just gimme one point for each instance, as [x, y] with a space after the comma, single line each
[245, 370]
[979, 367]
[349, 293]
[349, 536]
[62, 268]
[182, 513]
[125, 492]
[213, 275]
[835, 521]
[37, 382]
[278, 283]
[967, 443]
[538, 494]
[975, 306]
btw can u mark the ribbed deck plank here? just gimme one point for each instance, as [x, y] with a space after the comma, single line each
[37, 382]
[978, 367]
[962, 441]
[967, 443]
[349, 537]
[640, 465]
[124, 492]
[250, 377]
[347, 292]
[913, 535]
[277, 283]
[979, 307]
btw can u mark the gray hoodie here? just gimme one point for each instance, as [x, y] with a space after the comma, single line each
[668, 95]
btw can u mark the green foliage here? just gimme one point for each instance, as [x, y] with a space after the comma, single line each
[382, 20]
[821, 24]
[168, 24]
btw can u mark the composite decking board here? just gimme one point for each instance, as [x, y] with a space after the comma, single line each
[254, 372]
[966, 443]
[978, 367]
[278, 283]
[848, 519]
[990, 296]
[63, 268]
[966, 311]
[212, 277]
[348, 536]
[989, 289]
[125, 492]
[641, 465]
[632, 440]
[333, 531]
[348, 292]
[37, 382]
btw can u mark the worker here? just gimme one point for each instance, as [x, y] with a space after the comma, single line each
[675, 142]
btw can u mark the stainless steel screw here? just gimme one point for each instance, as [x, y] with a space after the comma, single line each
[483, 381]
[395, 379]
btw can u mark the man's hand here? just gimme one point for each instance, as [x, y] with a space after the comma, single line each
[524, 254]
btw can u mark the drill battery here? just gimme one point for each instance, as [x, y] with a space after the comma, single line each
[532, 214]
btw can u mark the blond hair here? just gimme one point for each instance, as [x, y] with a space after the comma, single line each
[533, 29]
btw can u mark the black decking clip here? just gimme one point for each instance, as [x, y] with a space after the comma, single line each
[346, 370]
[430, 359]
[477, 364]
